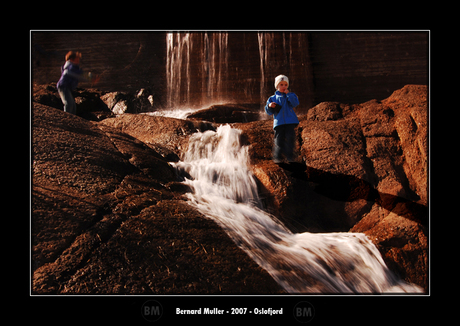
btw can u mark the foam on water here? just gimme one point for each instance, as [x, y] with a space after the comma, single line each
[216, 167]
[180, 113]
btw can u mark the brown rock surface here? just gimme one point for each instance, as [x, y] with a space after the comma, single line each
[401, 238]
[227, 113]
[108, 217]
[167, 136]
[362, 168]
[108, 214]
[89, 103]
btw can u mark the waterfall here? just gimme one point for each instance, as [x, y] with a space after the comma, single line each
[206, 68]
[196, 63]
[214, 58]
[178, 47]
[266, 45]
[225, 190]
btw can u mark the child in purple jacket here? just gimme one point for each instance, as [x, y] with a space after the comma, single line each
[71, 74]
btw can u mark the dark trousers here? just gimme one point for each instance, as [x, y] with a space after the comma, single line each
[284, 143]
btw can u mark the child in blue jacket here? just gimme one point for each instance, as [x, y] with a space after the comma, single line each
[282, 105]
[71, 74]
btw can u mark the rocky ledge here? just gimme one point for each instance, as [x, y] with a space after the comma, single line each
[361, 168]
[108, 215]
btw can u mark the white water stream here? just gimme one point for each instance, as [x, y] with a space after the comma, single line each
[226, 191]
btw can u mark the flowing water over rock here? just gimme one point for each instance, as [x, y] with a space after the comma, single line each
[222, 67]
[216, 167]
[183, 49]
[381, 146]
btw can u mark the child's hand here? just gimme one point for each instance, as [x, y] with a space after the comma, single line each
[272, 105]
[286, 91]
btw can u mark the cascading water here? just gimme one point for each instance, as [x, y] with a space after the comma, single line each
[214, 60]
[196, 68]
[266, 45]
[178, 67]
[206, 68]
[216, 167]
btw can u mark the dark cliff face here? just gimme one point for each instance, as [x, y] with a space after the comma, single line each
[197, 69]
[356, 67]
[126, 61]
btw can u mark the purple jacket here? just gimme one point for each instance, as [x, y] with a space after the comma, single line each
[71, 74]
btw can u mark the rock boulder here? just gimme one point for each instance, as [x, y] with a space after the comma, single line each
[227, 113]
[108, 217]
[123, 102]
[362, 168]
[167, 136]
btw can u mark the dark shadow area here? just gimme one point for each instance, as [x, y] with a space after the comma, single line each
[228, 113]
[349, 188]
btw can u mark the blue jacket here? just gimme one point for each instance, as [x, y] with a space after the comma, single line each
[286, 115]
[71, 74]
